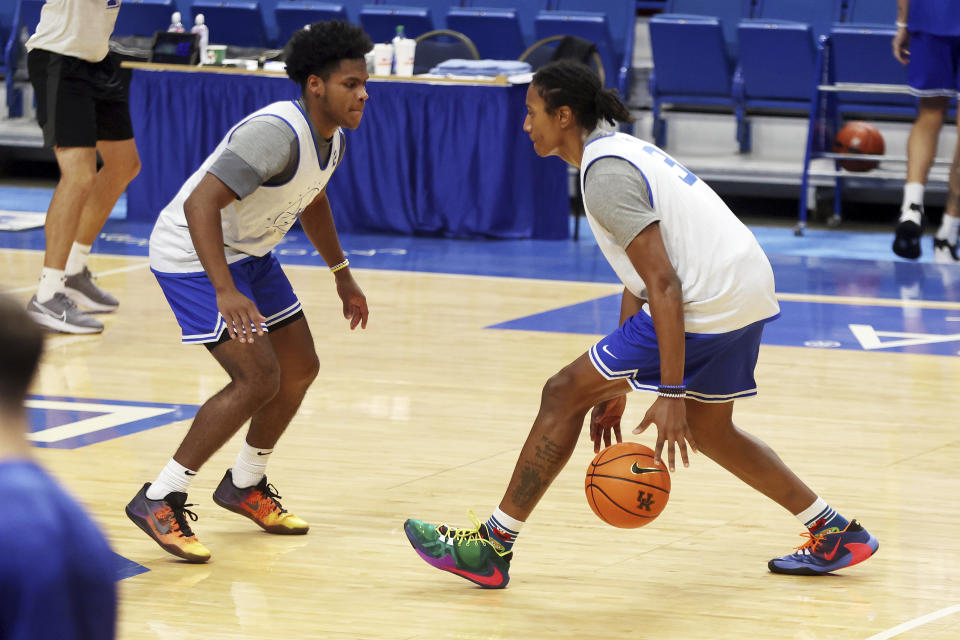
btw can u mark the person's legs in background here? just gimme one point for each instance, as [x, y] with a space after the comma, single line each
[921, 149]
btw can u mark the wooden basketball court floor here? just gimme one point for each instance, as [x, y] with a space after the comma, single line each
[423, 415]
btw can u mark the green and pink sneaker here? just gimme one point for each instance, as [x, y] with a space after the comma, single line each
[468, 552]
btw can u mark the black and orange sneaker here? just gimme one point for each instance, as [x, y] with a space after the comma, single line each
[166, 522]
[828, 551]
[260, 503]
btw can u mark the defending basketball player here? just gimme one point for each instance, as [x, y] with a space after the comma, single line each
[211, 251]
[698, 290]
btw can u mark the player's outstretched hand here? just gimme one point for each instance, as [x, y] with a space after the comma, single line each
[241, 315]
[605, 418]
[354, 302]
[670, 416]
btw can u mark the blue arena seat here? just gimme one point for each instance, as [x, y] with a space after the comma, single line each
[860, 53]
[609, 24]
[233, 22]
[434, 47]
[26, 15]
[496, 32]
[380, 21]
[694, 57]
[526, 14]
[293, 15]
[143, 17]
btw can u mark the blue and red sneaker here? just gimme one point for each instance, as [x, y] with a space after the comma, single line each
[828, 551]
[468, 552]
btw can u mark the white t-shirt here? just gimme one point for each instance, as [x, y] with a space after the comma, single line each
[255, 224]
[78, 28]
[726, 278]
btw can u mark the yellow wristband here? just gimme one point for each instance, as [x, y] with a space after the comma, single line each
[342, 265]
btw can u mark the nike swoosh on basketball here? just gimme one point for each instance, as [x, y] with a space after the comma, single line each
[829, 556]
[638, 470]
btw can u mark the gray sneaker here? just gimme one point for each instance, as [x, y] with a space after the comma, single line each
[81, 289]
[59, 313]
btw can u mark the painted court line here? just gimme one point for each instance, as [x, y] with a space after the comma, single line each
[98, 274]
[916, 622]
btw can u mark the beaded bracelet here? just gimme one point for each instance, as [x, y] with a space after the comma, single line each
[342, 265]
[672, 391]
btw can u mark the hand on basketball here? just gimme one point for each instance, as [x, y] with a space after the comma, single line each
[354, 302]
[241, 315]
[605, 418]
[670, 416]
[900, 43]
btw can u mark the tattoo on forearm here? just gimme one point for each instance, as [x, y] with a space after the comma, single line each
[537, 475]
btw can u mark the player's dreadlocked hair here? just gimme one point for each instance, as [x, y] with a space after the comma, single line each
[318, 48]
[575, 85]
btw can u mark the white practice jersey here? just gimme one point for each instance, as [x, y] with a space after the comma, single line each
[77, 28]
[726, 278]
[254, 225]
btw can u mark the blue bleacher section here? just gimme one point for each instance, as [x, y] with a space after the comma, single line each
[236, 22]
[293, 15]
[609, 24]
[497, 32]
[694, 50]
[526, 12]
[380, 21]
[26, 15]
[143, 17]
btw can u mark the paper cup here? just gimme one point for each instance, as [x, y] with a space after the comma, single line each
[382, 59]
[215, 53]
[405, 50]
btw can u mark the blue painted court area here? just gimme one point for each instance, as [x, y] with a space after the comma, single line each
[68, 423]
[125, 568]
[801, 324]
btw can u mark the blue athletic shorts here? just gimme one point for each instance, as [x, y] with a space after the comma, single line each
[719, 367]
[934, 68]
[194, 302]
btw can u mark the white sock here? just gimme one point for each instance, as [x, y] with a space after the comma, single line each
[251, 466]
[79, 253]
[173, 477]
[912, 194]
[51, 282]
[819, 509]
[949, 227]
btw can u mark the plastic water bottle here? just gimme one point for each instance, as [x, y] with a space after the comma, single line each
[201, 29]
[397, 38]
[175, 25]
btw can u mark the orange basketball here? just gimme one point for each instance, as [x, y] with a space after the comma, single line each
[624, 487]
[858, 137]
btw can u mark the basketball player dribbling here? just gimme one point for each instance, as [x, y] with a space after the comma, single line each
[697, 291]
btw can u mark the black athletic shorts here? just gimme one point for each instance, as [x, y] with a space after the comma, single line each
[80, 102]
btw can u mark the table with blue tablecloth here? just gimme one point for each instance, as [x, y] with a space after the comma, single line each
[442, 158]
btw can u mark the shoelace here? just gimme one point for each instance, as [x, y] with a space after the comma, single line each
[466, 535]
[270, 492]
[813, 542]
[182, 525]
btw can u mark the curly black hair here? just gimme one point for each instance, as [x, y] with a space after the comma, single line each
[319, 47]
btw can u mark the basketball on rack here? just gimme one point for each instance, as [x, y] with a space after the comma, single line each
[858, 138]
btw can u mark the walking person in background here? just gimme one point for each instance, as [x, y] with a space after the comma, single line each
[83, 110]
[928, 43]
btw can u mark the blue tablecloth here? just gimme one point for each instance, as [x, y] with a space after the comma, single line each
[427, 159]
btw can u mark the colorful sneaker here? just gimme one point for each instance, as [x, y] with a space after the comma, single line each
[166, 522]
[469, 553]
[60, 313]
[260, 503]
[828, 551]
[81, 289]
